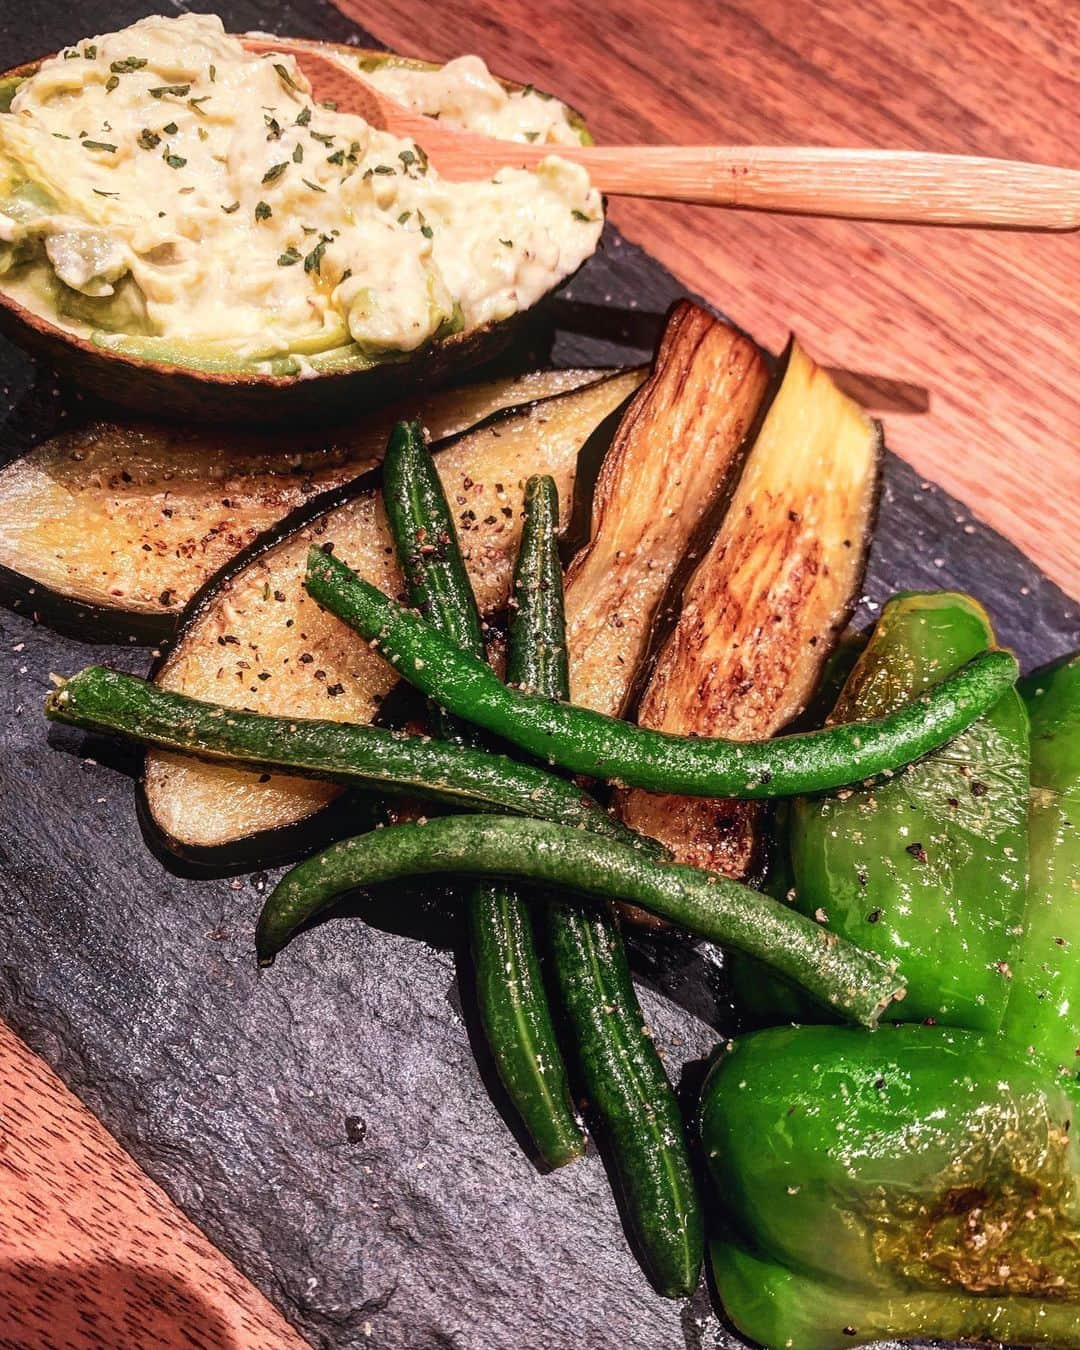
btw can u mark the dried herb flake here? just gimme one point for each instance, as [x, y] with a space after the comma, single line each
[286, 79]
[313, 261]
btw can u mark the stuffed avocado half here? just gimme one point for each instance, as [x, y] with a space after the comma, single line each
[169, 196]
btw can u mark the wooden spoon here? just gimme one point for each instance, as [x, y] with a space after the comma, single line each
[895, 185]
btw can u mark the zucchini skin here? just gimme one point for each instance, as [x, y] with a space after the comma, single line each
[621, 1071]
[856, 984]
[103, 700]
[510, 988]
[583, 741]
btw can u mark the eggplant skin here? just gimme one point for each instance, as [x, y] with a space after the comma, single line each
[155, 388]
[674, 456]
[111, 529]
[764, 608]
[253, 637]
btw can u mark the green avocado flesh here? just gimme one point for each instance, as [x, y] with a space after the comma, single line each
[218, 357]
[913, 1181]
[9, 87]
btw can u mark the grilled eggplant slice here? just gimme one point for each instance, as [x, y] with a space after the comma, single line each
[256, 640]
[116, 527]
[764, 608]
[675, 455]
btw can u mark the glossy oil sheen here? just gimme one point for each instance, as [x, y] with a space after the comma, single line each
[929, 867]
[1043, 1015]
[912, 1181]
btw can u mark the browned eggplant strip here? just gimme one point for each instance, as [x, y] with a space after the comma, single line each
[765, 605]
[674, 455]
[136, 518]
[258, 641]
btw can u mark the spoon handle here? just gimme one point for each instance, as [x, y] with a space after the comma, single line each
[895, 185]
[898, 185]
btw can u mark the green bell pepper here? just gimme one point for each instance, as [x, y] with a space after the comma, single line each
[928, 868]
[912, 1181]
[1043, 1014]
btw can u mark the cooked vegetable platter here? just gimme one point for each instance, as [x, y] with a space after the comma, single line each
[454, 819]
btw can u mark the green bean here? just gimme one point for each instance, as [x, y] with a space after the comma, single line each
[583, 741]
[857, 984]
[99, 699]
[537, 659]
[632, 1100]
[510, 991]
[428, 551]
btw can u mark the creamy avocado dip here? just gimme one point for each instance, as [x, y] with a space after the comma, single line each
[164, 182]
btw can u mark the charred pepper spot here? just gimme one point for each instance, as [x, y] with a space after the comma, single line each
[1007, 1231]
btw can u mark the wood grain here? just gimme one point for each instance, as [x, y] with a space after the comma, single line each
[92, 1252]
[985, 321]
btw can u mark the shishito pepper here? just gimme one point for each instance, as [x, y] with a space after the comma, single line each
[1043, 1015]
[928, 867]
[908, 1182]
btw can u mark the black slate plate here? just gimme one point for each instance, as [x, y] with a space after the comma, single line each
[330, 1123]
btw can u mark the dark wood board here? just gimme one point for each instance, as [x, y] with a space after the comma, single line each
[331, 1123]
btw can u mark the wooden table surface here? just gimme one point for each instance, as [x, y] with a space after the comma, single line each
[969, 338]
